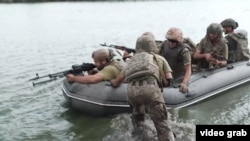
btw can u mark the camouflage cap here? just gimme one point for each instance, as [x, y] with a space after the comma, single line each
[215, 28]
[229, 22]
[103, 54]
[146, 42]
[174, 34]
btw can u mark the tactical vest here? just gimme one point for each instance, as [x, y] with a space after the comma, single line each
[238, 47]
[142, 65]
[174, 58]
[187, 41]
[119, 64]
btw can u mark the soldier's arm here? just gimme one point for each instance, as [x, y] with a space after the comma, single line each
[118, 80]
[167, 70]
[188, 72]
[187, 66]
[225, 52]
[223, 63]
[87, 79]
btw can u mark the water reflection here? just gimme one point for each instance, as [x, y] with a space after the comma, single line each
[85, 127]
[216, 108]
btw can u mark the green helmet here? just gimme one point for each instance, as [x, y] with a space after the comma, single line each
[103, 54]
[229, 22]
[146, 43]
[215, 28]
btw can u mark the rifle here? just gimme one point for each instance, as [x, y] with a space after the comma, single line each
[123, 48]
[76, 70]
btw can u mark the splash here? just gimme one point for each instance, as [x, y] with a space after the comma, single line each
[122, 129]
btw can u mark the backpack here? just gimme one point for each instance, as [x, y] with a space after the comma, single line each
[140, 65]
[190, 43]
[242, 52]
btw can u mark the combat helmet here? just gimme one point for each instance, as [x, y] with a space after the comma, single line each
[146, 42]
[174, 34]
[103, 54]
[149, 34]
[215, 28]
[229, 22]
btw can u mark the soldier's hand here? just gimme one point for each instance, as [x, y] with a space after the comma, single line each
[70, 78]
[183, 88]
[92, 72]
[214, 61]
[208, 56]
[113, 83]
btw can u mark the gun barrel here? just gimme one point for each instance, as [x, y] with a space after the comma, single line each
[41, 82]
[104, 44]
[114, 46]
[129, 50]
[38, 77]
[76, 69]
[53, 75]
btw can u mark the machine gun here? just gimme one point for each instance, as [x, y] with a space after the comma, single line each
[76, 70]
[123, 48]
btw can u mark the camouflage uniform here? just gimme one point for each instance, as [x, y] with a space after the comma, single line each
[218, 49]
[178, 56]
[237, 47]
[115, 66]
[237, 42]
[113, 70]
[145, 94]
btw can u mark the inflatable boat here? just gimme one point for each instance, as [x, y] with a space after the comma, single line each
[102, 99]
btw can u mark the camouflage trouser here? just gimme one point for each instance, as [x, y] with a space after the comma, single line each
[146, 95]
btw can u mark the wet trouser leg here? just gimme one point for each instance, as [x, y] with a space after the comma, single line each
[138, 117]
[158, 114]
[149, 97]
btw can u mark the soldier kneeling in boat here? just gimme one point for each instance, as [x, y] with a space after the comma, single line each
[178, 55]
[237, 41]
[212, 51]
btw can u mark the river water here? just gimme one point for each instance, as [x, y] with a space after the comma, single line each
[50, 37]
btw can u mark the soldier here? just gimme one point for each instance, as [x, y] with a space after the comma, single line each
[178, 56]
[237, 41]
[212, 51]
[107, 66]
[145, 72]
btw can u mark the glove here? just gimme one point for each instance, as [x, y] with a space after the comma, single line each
[183, 88]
